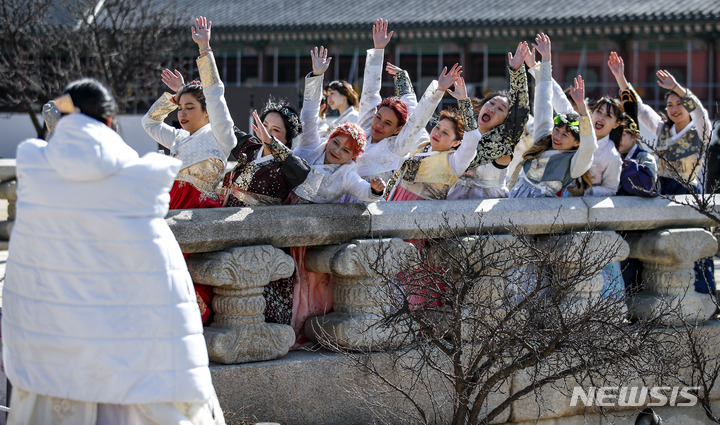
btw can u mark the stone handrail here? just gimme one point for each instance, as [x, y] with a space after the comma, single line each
[312, 225]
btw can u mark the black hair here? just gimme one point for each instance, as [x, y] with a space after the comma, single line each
[196, 90]
[93, 98]
[616, 108]
[289, 116]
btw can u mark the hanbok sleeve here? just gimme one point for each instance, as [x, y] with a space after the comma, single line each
[610, 179]
[404, 90]
[293, 168]
[560, 103]
[583, 157]
[309, 139]
[372, 81]
[409, 136]
[699, 115]
[647, 116]
[359, 188]
[460, 159]
[501, 140]
[154, 125]
[221, 122]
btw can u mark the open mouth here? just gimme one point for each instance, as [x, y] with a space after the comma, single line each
[599, 126]
[485, 118]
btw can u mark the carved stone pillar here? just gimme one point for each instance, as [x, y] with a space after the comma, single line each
[584, 250]
[8, 190]
[668, 257]
[359, 293]
[239, 333]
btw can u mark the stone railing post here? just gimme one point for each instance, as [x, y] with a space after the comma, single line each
[359, 293]
[8, 190]
[668, 257]
[239, 333]
[595, 249]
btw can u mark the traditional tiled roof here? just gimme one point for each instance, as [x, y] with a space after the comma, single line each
[287, 15]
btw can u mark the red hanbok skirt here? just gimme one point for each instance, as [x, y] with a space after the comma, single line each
[183, 196]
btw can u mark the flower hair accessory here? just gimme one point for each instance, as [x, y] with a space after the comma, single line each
[574, 125]
[355, 132]
[289, 114]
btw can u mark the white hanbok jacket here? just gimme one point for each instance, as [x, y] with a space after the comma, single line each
[98, 305]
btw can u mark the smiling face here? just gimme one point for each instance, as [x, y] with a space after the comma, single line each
[337, 101]
[443, 136]
[338, 149]
[605, 120]
[275, 126]
[675, 110]
[563, 139]
[493, 112]
[384, 124]
[190, 113]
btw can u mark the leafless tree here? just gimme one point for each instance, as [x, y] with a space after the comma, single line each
[44, 44]
[479, 311]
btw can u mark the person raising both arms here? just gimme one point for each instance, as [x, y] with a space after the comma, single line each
[206, 138]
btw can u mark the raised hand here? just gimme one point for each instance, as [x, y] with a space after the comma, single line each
[446, 79]
[666, 80]
[260, 130]
[201, 32]
[577, 92]
[320, 60]
[173, 80]
[542, 45]
[530, 58]
[616, 65]
[392, 69]
[522, 51]
[460, 92]
[377, 184]
[381, 38]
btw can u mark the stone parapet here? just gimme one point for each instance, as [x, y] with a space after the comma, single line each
[668, 257]
[239, 333]
[216, 229]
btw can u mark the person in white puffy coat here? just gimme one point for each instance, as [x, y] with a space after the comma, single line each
[100, 321]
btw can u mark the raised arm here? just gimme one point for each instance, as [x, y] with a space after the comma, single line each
[408, 137]
[690, 102]
[372, 76]
[583, 157]
[543, 90]
[403, 86]
[310, 137]
[221, 122]
[460, 159]
[501, 140]
[617, 67]
[560, 102]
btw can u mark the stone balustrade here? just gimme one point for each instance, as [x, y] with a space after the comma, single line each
[236, 250]
[340, 236]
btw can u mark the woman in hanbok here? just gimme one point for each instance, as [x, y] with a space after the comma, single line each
[266, 172]
[341, 97]
[564, 144]
[682, 136]
[501, 122]
[204, 142]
